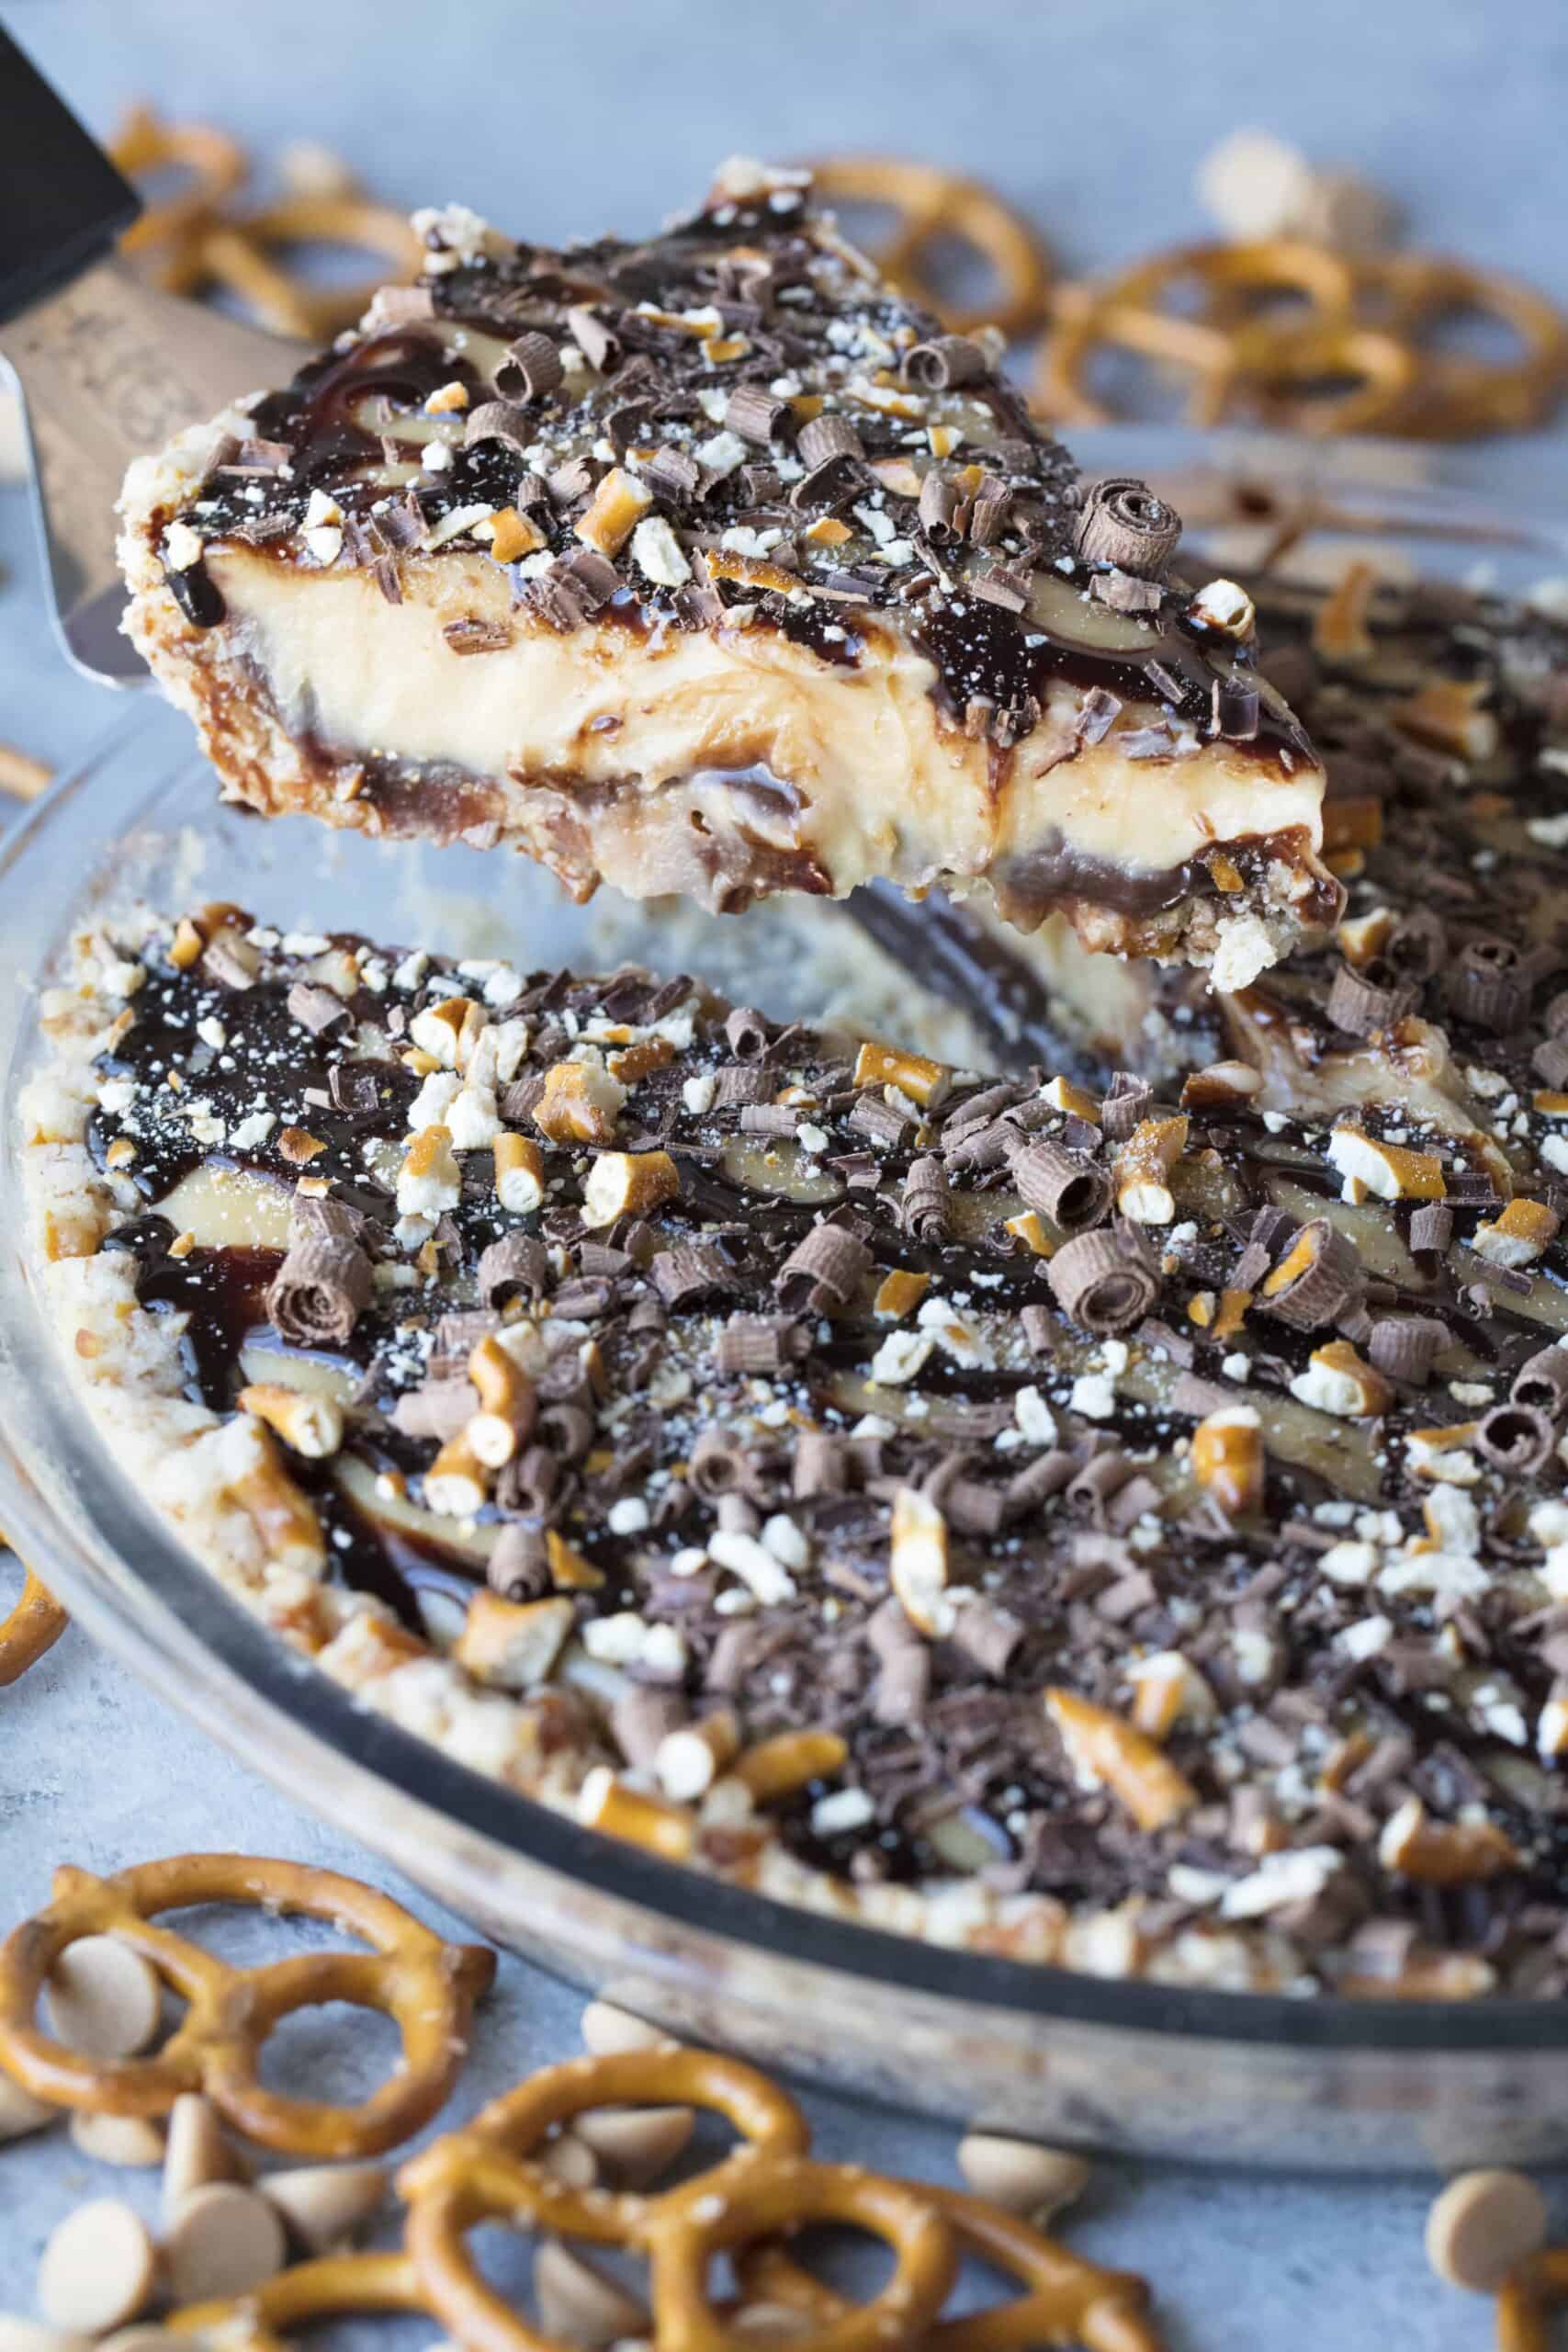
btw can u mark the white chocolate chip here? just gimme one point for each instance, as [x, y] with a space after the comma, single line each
[606, 2029]
[98, 2268]
[102, 1997]
[1020, 2176]
[224, 2240]
[127, 2140]
[580, 2303]
[197, 2153]
[323, 2204]
[1482, 2225]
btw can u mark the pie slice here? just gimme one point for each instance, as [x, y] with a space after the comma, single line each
[709, 565]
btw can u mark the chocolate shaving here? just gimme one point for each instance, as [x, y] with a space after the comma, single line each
[1071, 1192]
[1098, 713]
[1431, 1230]
[1361, 1002]
[1541, 1383]
[760, 1343]
[1406, 1346]
[474, 636]
[1325, 1287]
[498, 421]
[1123, 524]
[1516, 1438]
[319, 1291]
[673, 476]
[1102, 1280]
[1487, 987]
[1124, 592]
[754, 412]
[823, 1271]
[531, 369]
[691, 1273]
[438, 1411]
[593, 337]
[925, 1207]
[824, 438]
[944, 361]
[518, 1262]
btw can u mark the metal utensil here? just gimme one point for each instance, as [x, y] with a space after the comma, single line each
[107, 366]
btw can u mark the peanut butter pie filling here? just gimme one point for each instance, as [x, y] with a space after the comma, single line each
[710, 565]
[1069, 1521]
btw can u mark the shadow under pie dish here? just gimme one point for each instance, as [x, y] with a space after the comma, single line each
[795, 1456]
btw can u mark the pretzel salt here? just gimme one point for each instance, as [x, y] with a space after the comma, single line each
[934, 206]
[426, 1986]
[1065, 2301]
[34, 1625]
[335, 2286]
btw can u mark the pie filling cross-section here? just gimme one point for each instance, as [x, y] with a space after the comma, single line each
[710, 565]
[1076, 1525]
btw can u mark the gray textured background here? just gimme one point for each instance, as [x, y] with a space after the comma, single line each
[561, 119]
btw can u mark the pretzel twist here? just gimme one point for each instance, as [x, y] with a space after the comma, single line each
[240, 256]
[34, 1625]
[1351, 354]
[932, 206]
[1538, 2288]
[1065, 2301]
[426, 1986]
[218, 168]
[487, 2171]
[335, 2286]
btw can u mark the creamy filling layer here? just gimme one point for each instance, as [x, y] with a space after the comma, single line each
[849, 765]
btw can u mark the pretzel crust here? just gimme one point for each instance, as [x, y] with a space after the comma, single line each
[426, 1987]
[33, 1626]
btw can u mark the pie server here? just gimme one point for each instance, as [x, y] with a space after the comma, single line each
[107, 366]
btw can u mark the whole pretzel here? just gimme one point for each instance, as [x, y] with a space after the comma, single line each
[1456, 393]
[1066, 2300]
[426, 1987]
[238, 255]
[216, 162]
[33, 1626]
[933, 205]
[486, 2171]
[1538, 2288]
[701, 2219]
[335, 2286]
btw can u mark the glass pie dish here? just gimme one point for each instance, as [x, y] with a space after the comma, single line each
[1227, 2076]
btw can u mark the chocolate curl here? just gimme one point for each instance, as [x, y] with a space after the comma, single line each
[1325, 1283]
[1486, 986]
[945, 360]
[746, 1031]
[1363, 1003]
[1123, 523]
[1073, 1193]
[566, 1430]
[599, 345]
[1406, 1346]
[1127, 1102]
[939, 508]
[988, 517]
[760, 1343]
[313, 1216]
[823, 1271]
[498, 421]
[1417, 944]
[926, 1206]
[827, 437]
[690, 1271]
[1029, 1488]
[528, 1482]
[1102, 1282]
[754, 412]
[720, 1466]
[531, 369]
[821, 1466]
[519, 1566]
[516, 1262]
[1541, 1383]
[1431, 1228]
[1515, 1438]
[319, 1291]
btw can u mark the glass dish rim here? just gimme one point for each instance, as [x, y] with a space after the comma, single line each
[314, 1707]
